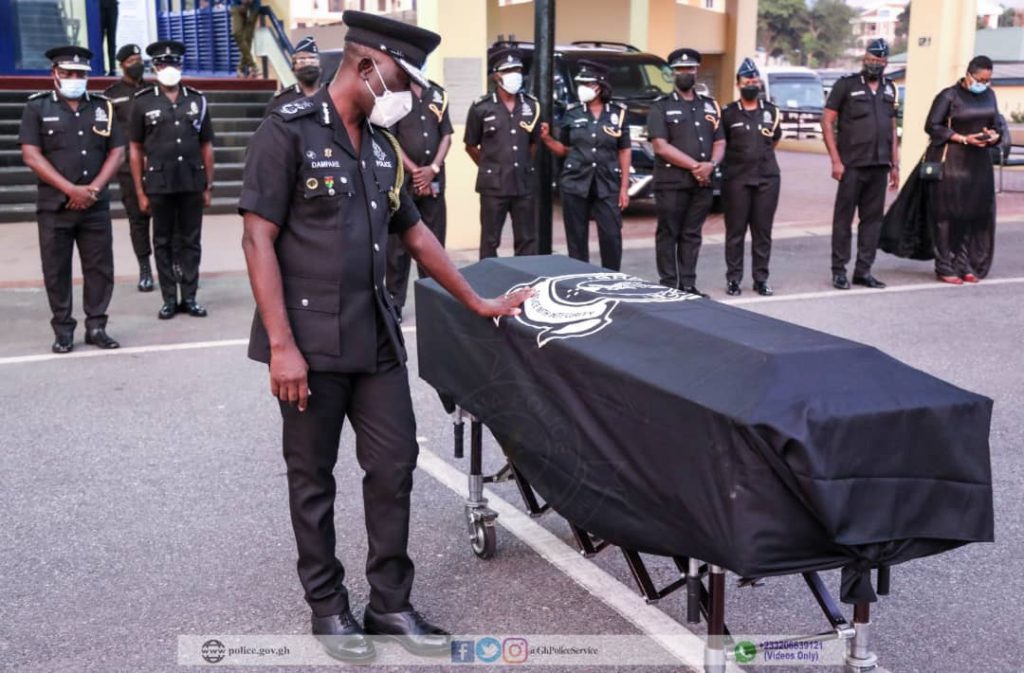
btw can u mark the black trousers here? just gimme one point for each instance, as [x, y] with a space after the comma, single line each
[494, 210]
[577, 211]
[753, 207]
[434, 214]
[177, 219]
[677, 239]
[58, 234]
[380, 408]
[138, 222]
[108, 28]
[862, 190]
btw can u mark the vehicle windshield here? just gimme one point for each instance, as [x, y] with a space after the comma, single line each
[797, 92]
[636, 79]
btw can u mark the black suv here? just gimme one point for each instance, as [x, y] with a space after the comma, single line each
[636, 78]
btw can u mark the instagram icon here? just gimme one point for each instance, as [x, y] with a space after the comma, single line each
[514, 650]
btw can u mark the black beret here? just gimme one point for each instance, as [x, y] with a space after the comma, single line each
[127, 51]
[591, 71]
[504, 58]
[878, 47]
[307, 44]
[748, 69]
[684, 58]
[166, 50]
[70, 57]
[409, 45]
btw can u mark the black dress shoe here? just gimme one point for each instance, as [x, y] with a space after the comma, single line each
[840, 282]
[63, 344]
[410, 629]
[145, 275]
[343, 638]
[168, 310]
[99, 337]
[193, 308]
[732, 288]
[869, 281]
[692, 289]
[763, 288]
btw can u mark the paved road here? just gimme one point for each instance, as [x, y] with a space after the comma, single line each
[144, 494]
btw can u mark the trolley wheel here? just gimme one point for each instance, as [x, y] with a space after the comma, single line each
[484, 540]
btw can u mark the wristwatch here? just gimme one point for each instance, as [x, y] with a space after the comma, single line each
[435, 168]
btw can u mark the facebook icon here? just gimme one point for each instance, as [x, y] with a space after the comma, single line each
[463, 651]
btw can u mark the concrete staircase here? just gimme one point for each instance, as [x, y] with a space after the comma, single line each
[235, 114]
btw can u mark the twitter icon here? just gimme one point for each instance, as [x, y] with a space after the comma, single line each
[488, 650]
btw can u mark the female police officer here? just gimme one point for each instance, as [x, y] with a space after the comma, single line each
[595, 178]
[750, 180]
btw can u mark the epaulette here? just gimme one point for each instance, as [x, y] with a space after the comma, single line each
[436, 85]
[101, 96]
[287, 89]
[481, 99]
[530, 96]
[295, 109]
[574, 106]
[39, 94]
[149, 89]
[663, 96]
[621, 106]
[192, 89]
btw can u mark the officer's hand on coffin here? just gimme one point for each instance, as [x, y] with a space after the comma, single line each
[505, 305]
[288, 381]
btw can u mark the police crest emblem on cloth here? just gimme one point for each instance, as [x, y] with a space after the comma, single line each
[579, 305]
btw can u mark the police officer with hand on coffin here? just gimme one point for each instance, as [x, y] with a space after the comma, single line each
[425, 136]
[685, 131]
[501, 136]
[594, 141]
[861, 110]
[172, 166]
[70, 141]
[322, 189]
[306, 67]
[750, 179]
[129, 57]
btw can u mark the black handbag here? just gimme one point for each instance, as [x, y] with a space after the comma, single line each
[931, 171]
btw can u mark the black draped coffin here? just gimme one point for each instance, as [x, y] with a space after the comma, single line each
[675, 425]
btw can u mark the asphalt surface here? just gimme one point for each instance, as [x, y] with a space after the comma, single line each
[144, 494]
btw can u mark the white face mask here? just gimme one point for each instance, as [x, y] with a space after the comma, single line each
[391, 106]
[512, 82]
[72, 88]
[585, 93]
[169, 76]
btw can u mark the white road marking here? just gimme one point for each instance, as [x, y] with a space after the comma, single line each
[862, 292]
[673, 636]
[136, 350]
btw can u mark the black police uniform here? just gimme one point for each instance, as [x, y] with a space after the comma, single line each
[419, 133]
[174, 178]
[864, 137]
[591, 179]
[750, 185]
[681, 203]
[505, 174]
[121, 94]
[335, 208]
[76, 143]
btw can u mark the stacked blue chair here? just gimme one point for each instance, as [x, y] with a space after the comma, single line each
[163, 20]
[221, 39]
[204, 25]
[191, 39]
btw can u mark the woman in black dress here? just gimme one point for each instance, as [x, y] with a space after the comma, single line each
[963, 125]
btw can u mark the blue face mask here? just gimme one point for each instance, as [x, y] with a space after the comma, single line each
[977, 87]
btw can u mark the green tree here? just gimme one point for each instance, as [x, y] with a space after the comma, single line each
[827, 34]
[780, 26]
[1008, 18]
[902, 31]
